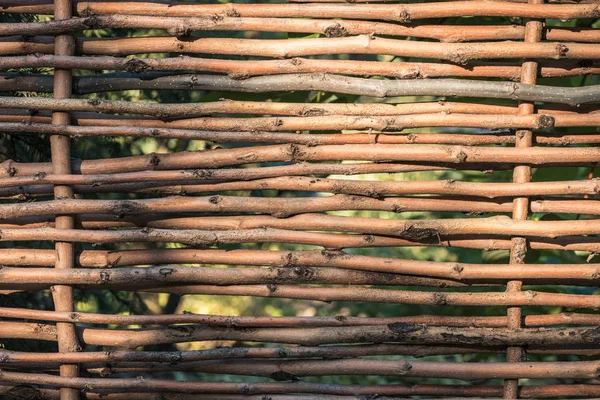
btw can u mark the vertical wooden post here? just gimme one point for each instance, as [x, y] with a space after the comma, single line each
[61, 164]
[521, 174]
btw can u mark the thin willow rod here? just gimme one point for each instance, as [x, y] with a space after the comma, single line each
[277, 207]
[293, 369]
[182, 275]
[288, 370]
[183, 359]
[305, 82]
[563, 115]
[345, 122]
[157, 276]
[377, 189]
[295, 322]
[360, 44]
[165, 131]
[165, 387]
[17, 174]
[425, 1]
[24, 359]
[307, 266]
[338, 392]
[396, 332]
[409, 153]
[182, 26]
[371, 295]
[405, 229]
[307, 258]
[23, 105]
[327, 294]
[346, 241]
[306, 139]
[23, 174]
[400, 13]
[225, 106]
[334, 241]
[249, 68]
[215, 230]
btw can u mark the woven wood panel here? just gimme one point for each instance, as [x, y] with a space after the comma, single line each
[382, 200]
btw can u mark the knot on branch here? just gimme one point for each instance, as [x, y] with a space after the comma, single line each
[404, 368]
[403, 15]
[402, 328]
[153, 161]
[93, 22]
[289, 260]
[440, 299]
[23, 391]
[546, 121]
[283, 376]
[591, 335]
[417, 234]
[125, 208]
[335, 30]
[233, 13]
[460, 56]
[136, 66]
[272, 288]
[311, 112]
[104, 277]
[331, 254]
[180, 31]
[296, 153]
[561, 50]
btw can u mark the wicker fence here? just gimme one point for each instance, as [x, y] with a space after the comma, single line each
[216, 202]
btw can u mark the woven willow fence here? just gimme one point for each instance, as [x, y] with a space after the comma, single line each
[457, 98]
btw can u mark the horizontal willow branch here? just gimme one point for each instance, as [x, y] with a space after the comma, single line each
[163, 111]
[185, 360]
[247, 68]
[152, 277]
[361, 44]
[224, 106]
[340, 392]
[156, 359]
[282, 322]
[395, 332]
[370, 295]
[157, 276]
[145, 211]
[378, 189]
[291, 370]
[217, 230]
[396, 12]
[266, 129]
[492, 299]
[324, 82]
[343, 241]
[442, 154]
[35, 174]
[183, 26]
[428, 1]
[288, 137]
